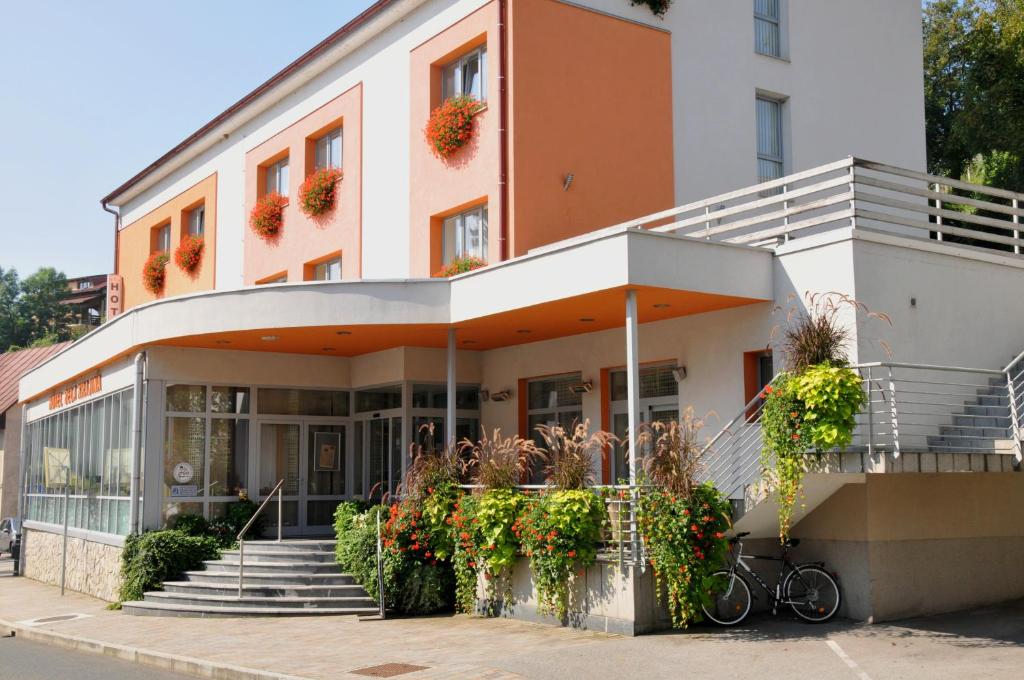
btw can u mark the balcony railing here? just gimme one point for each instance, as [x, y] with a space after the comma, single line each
[910, 408]
[852, 192]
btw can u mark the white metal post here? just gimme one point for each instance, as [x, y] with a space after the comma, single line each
[135, 488]
[1016, 226]
[449, 416]
[632, 381]
[938, 218]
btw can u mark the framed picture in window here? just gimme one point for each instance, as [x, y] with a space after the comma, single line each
[327, 450]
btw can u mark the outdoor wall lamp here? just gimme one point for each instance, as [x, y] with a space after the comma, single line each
[503, 395]
[582, 388]
[679, 373]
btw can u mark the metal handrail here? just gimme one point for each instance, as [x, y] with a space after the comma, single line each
[241, 534]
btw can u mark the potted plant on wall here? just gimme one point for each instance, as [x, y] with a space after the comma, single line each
[267, 216]
[318, 192]
[450, 126]
[461, 265]
[154, 272]
[189, 254]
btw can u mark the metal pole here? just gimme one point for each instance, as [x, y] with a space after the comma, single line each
[785, 217]
[633, 399]
[893, 416]
[25, 448]
[1011, 392]
[871, 425]
[380, 570]
[64, 548]
[134, 513]
[241, 565]
[280, 512]
[1016, 224]
[449, 417]
[938, 218]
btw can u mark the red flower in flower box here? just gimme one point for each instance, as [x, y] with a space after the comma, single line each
[317, 194]
[461, 265]
[450, 125]
[267, 216]
[154, 272]
[189, 254]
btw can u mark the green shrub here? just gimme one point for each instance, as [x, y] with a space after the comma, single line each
[356, 554]
[832, 397]
[193, 525]
[150, 559]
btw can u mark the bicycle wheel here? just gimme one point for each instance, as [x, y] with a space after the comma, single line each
[730, 599]
[812, 593]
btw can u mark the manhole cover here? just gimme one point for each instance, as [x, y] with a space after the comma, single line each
[389, 670]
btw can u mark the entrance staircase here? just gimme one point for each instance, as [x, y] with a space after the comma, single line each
[290, 578]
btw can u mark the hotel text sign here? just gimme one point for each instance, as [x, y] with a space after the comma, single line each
[115, 295]
[72, 393]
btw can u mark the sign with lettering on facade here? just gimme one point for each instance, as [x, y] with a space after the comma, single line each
[69, 394]
[115, 295]
[189, 491]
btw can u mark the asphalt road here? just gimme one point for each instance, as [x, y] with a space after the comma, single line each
[21, 660]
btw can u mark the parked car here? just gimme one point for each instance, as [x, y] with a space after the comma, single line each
[9, 530]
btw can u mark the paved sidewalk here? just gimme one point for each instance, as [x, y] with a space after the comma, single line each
[986, 643]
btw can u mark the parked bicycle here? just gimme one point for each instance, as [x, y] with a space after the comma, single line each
[810, 590]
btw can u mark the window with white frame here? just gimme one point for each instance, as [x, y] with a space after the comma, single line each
[84, 285]
[465, 235]
[162, 242]
[277, 177]
[328, 270]
[197, 221]
[328, 150]
[770, 150]
[465, 76]
[767, 34]
[552, 400]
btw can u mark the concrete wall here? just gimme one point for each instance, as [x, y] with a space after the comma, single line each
[10, 458]
[91, 568]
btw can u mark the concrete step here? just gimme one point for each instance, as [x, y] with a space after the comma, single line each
[291, 545]
[993, 400]
[979, 410]
[255, 567]
[296, 578]
[1002, 421]
[953, 432]
[144, 608]
[265, 589]
[248, 602]
[254, 555]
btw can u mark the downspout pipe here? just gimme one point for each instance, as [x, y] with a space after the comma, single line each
[503, 230]
[117, 232]
[138, 413]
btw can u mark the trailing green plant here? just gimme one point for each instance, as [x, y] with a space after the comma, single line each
[784, 439]
[149, 559]
[657, 7]
[573, 456]
[484, 543]
[466, 561]
[672, 452]
[559, 533]
[356, 553]
[814, 333]
[832, 396]
[685, 541]
[498, 462]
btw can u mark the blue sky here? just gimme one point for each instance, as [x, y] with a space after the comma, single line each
[92, 92]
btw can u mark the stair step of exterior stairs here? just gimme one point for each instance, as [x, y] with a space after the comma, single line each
[251, 602]
[144, 608]
[264, 590]
[254, 567]
[275, 578]
[261, 555]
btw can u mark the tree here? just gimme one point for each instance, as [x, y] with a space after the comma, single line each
[31, 310]
[974, 89]
[10, 289]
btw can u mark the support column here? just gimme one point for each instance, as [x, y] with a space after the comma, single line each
[449, 416]
[632, 380]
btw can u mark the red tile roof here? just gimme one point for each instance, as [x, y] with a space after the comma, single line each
[13, 365]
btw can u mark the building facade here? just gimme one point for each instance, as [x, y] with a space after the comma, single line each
[337, 335]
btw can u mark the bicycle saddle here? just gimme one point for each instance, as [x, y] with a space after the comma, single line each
[792, 542]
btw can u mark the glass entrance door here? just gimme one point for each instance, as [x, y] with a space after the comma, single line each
[379, 452]
[651, 410]
[325, 474]
[280, 458]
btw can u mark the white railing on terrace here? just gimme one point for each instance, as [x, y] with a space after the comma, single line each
[852, 192]
[912, 408]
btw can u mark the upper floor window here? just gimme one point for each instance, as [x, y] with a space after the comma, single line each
[329, 270]
[162, 240]
[197, 221]
[277, 177]
[280, 278]
[767, 38]
[465, 235]
[328, 150]
[770, 151]
[465, 76]
[83, 285]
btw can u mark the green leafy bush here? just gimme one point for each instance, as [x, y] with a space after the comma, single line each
[193, 525]
[560, 533]
[685, 540]
[832, 397]
[151, 558]
[784, 445]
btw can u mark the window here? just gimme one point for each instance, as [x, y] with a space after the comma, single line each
[329, 270]
[277, 177]
[551, 401]
[769, 139]
[328, 150]
[465, 235]
[465, 76]
[767, 39]
[659, 401]
[197, 221]
[283, 278]
[162, 239]
[84, 285]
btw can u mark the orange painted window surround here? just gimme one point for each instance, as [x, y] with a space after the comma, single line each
[160, 238]
[320, 269]
[279, 277]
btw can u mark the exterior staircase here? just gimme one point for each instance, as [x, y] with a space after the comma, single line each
[983, 423]
[290, 578]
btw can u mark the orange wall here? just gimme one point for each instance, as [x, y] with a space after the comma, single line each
[469, 177]
[591, 95]
[303, 240]
[134, 243]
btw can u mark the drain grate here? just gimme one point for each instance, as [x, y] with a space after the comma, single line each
[389, 670]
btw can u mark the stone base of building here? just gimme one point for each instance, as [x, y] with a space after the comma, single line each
[91, 567]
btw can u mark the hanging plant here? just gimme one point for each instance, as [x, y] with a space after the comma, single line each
[267, 215]
[461, 265]
[784, 444]
[450, 125]
[657, 7]
[317, 194]
[154, 272]
[189, 254]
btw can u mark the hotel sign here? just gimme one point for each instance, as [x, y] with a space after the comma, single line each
[115, 295]
[71, 393]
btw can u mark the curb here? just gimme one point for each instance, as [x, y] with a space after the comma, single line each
[170, 662]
